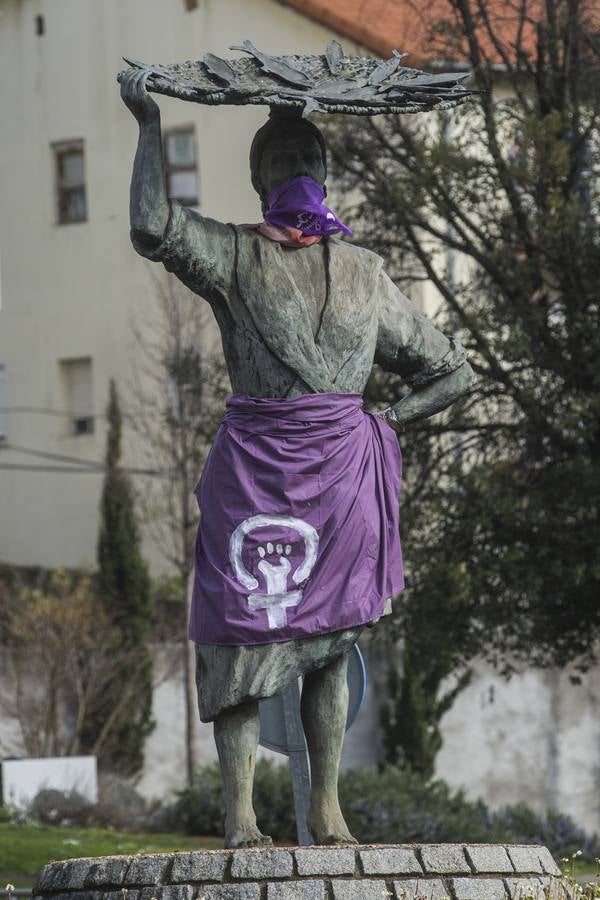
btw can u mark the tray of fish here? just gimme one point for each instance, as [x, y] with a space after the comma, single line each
[331, 82]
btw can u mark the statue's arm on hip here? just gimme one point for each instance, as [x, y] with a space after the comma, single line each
[433, 365]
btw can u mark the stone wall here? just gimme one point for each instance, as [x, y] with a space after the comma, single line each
[400, 872]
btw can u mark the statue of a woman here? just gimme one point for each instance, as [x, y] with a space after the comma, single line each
[298, 545]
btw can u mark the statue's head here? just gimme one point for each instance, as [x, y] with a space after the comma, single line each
[285, 147]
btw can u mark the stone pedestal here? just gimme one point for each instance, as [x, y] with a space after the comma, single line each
[399, 872]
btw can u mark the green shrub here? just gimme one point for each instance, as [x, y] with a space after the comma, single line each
[398, 806]
[556, 831]
[201, 810]
[274, 801]
[389, 805]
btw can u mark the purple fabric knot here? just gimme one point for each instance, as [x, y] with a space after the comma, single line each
[298, 203]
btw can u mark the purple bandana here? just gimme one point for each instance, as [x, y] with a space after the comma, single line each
[299, 528]
[298, 203]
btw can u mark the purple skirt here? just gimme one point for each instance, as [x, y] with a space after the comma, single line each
[299, 531]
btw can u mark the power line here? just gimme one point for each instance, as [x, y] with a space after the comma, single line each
[60, 413]
[59, 457]
[46, 410]
[80, 470]
[81, 465]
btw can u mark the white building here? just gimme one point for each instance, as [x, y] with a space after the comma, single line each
[71, 283]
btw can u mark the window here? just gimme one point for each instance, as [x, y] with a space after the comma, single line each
[77, 385]
[180, 158]
[3, 405]
[70, 183]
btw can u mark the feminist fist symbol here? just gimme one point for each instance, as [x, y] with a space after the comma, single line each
[277, 599]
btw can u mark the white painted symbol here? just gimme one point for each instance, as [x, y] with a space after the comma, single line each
[308, 220]
[277, 599]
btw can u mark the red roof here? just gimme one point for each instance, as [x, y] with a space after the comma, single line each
[425, 29]
[379, 25]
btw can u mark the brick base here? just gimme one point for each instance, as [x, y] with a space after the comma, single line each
[398, 872]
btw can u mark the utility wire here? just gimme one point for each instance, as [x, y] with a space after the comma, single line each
[60, 413]
[59, 457]
[80, 470]
[47, 411]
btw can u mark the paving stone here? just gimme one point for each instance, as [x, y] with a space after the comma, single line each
[479, 889]
[49, 877]
[262, 864]
[67, 896]
[68, 875]
[229, 892]
[199, 866]
[107, 871]
[489, 858]
[444, 859]
[359, 889]
[146, 869]
[168, 892]
[390, 861]
[421, 889]
[123, 894]
[547, 861]
[78, 895]
[297, 890]
[557, 889]
[326, 861]
[525, 859]
[521, 888]
[539, 889]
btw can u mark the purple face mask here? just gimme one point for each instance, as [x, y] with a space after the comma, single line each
[298, 203]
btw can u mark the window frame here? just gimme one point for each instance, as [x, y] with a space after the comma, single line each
[61, 149]
[80, 424]
[174, 168]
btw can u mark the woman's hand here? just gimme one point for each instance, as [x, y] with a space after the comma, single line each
[389, 417]
[136, 98]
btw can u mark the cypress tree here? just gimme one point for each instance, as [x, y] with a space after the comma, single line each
[124, 587]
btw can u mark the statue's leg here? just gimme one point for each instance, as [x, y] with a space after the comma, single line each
[236, 737]
[324, 713]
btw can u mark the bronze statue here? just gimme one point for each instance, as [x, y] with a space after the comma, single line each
[297, 320]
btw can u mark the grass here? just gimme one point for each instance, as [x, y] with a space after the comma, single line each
[24, 849]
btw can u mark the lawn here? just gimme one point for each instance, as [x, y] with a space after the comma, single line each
[24, 849]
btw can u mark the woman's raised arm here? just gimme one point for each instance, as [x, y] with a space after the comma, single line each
[148, 203]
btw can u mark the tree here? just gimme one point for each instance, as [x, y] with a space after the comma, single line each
[496, 205]
[124, 588]
[177, 404]
[66, 656]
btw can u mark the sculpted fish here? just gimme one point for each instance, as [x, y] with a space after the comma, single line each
[334, 54]
[282, 70]
[221, 69]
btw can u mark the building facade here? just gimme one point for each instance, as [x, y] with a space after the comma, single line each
[71, 284]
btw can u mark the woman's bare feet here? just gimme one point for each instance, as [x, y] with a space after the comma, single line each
[246, 836]
[327, 826]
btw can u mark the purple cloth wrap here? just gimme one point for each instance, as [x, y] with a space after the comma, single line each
[298, 203]
[299, 528]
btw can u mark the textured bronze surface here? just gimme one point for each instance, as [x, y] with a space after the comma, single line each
[331, 82]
